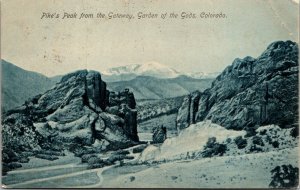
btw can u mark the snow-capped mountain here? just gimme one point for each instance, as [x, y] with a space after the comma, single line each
[153, 69]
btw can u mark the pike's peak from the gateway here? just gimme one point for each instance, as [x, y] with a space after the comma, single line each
[153, 69]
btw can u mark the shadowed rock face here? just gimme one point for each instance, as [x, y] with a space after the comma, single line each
[250, 92]
[123, 104]
[187, 112]
[76, 110]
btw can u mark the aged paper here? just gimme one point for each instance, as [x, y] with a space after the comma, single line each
[149, 93]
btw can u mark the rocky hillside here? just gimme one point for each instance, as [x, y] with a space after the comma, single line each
[18, 85]
[148, 109]
[78, 111]
[249, 93]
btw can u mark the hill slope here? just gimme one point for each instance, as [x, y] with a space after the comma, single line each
[18, 85]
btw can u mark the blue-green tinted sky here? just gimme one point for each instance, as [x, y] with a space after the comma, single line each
[59, 46]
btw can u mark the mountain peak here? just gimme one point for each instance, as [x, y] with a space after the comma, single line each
[157, 70]
[153, 65]
[151, 68]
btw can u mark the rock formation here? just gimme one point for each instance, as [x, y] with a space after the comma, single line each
[159, 134]
[250, 92]
[123, 104]
[187, 112]
[77, 110]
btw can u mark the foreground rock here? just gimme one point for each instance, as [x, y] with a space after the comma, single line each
[250, 92]
[159, 134]
[78, 111]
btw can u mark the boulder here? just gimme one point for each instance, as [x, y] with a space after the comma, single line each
[159, 134]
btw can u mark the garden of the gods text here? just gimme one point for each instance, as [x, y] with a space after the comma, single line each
[129, 16]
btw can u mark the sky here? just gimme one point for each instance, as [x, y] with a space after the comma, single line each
[58, 46]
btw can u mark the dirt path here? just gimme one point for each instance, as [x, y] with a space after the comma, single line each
[68, 172]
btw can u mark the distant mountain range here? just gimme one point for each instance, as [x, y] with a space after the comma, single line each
[152, 69]
[146, 87]
[147, 81]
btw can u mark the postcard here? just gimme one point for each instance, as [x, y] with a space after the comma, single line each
[150, 94]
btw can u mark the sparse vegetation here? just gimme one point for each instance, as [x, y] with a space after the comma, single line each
[263, 132]
[213, 148]
[79, 151]
[255, 148]
[132, 178]
[258, 140]
[46, 157]
[86, 157]
[240, 142]
[95, 162]
[275, 144]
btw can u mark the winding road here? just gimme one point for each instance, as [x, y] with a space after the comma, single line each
[60, 175]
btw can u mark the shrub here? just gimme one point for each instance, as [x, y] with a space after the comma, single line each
[5, 169]
[5, 157]
[78, 140]
[24, 160]
[240, 142]
[86, 157]
[14, 165]
[9, 156]
[132, 178]
[116, 157]
[96, 165]
[121, 152]
[46, 157]
[269, 139]
[263, 132]
[275, 144]
[228, 140]
[254, 148]
[258, 141]
[80, 151]
[50, 152]
[295, 132]
[129, 157]
[210, 142]
[285, 176]
[212, 148]
[95, 162]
